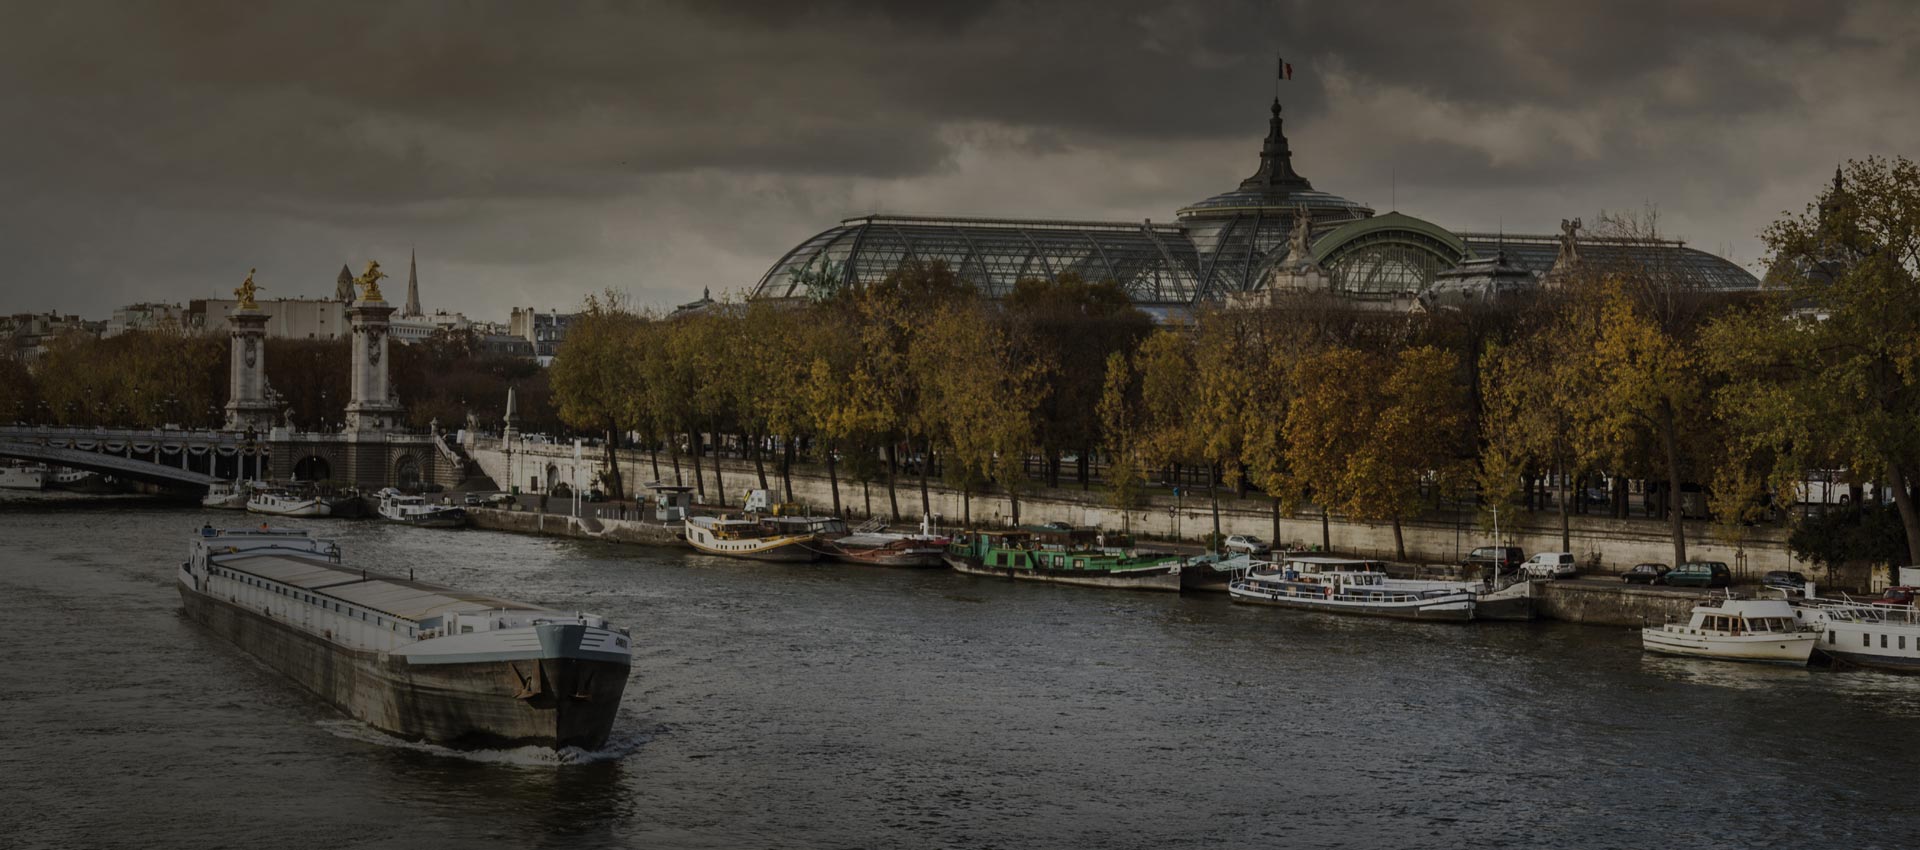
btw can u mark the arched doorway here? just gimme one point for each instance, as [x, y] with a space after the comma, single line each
[406, 473]
[312, 468]
[553, 476]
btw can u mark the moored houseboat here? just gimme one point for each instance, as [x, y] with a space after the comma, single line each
[281, 502]
[750, 538]
[395, 506]
[1881, 635]
[1351, 586]
[1076, 556]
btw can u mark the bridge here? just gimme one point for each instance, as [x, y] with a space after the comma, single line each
[169, 457]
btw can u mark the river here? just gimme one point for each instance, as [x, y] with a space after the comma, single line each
[849, 707]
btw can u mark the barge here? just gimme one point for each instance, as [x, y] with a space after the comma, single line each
[413, 659]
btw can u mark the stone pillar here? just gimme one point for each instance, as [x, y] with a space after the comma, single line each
[372, 408]
[247, 405]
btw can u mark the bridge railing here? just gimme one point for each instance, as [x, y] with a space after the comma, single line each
[38, 433]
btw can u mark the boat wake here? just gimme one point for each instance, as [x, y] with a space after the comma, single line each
[619, 746]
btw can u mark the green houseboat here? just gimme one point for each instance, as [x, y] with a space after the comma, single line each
[1079, 556]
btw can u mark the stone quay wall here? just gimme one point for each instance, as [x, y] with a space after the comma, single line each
[1618, 543]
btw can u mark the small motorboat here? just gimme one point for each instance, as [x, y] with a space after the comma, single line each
[225, 495]
[274, 502]
[399, 507]
[1737, 630]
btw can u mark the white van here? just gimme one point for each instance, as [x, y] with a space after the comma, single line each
[1550, 565]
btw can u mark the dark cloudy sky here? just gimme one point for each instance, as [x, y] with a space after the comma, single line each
[535, 152]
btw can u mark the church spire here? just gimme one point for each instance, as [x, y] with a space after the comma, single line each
[343, 285]
[413, 287]
[1276, 172]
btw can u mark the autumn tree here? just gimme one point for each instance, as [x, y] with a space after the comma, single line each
[594, 376]
[1828, 371]
[1069, 326]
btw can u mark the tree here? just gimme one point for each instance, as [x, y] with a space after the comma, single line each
[1828, 371]
[985, 390]
[593, 375]
[1120, 433]
[1069, 326]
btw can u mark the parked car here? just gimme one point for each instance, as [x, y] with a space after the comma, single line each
[1646, 574]
[1246, 543]
[1785, 580]
[1550, 565]
[1700, 574]
[1502, 558]
[1057, 525]
[500, 498]
[1896, 595]
[474, 499]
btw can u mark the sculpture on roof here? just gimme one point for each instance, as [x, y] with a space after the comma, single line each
[1569, 242]
[369, 282]
[1301, 236]
[246, 292]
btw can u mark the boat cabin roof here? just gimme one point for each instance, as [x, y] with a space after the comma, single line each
[399, 597]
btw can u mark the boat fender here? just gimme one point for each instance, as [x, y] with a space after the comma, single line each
[1329, 591]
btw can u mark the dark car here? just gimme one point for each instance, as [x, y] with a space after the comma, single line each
[1700, 574]
[1646, 574]
[1785, 580]
[1503, 558]
[472, 499]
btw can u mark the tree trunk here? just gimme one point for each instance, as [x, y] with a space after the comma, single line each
[833, 478]
[653, 452]
[1671, 445]
[1566, 530]
[893, 495]
[786, 467]
[1326, 533]
[1275, 540]
[759, 462]
[866, 492]
[719, 484]
[966, 504]
[1013, 496]
[926, 467]
[1213, 497]
[1080, 468]
[1053, 469]
[1903, 502]
[674, 455]
[699, 478]
[616, 488]
[1399, 541]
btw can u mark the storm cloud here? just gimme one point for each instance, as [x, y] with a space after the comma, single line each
[533, 153]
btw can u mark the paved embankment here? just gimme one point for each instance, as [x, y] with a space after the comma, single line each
[585, 528]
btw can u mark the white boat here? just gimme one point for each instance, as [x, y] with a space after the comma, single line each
[225, 495]
[749, 538]
[1737, 630]
[1867, 634]
[282, 503]
[1349, 586]
[67, 476]
[395, 506]
[23, 477]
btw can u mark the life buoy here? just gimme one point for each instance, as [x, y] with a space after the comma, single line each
[1329, 591]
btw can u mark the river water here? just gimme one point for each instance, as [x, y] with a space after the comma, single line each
[848, 707]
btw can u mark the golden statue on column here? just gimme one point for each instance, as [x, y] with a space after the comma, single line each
[369, 282]
[246, 292]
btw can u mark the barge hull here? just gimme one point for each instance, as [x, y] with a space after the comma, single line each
[1162, 581]
[542, 702]
[1450, 613]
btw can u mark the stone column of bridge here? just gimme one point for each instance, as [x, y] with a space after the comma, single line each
[372, 410]
[247, 405]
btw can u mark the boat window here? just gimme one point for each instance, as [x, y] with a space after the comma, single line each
[1903, 642]
[1831, 638]
[1866, 639]
[1883, 641]
[1079, 563]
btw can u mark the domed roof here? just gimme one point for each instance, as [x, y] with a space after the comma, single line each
[1277, 185]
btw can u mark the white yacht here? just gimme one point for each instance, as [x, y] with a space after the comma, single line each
[396, 506]
[225, 495]
[1867, 634]
[1737, 630]
[1348, 586]
[274, 502]
[23, 477]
